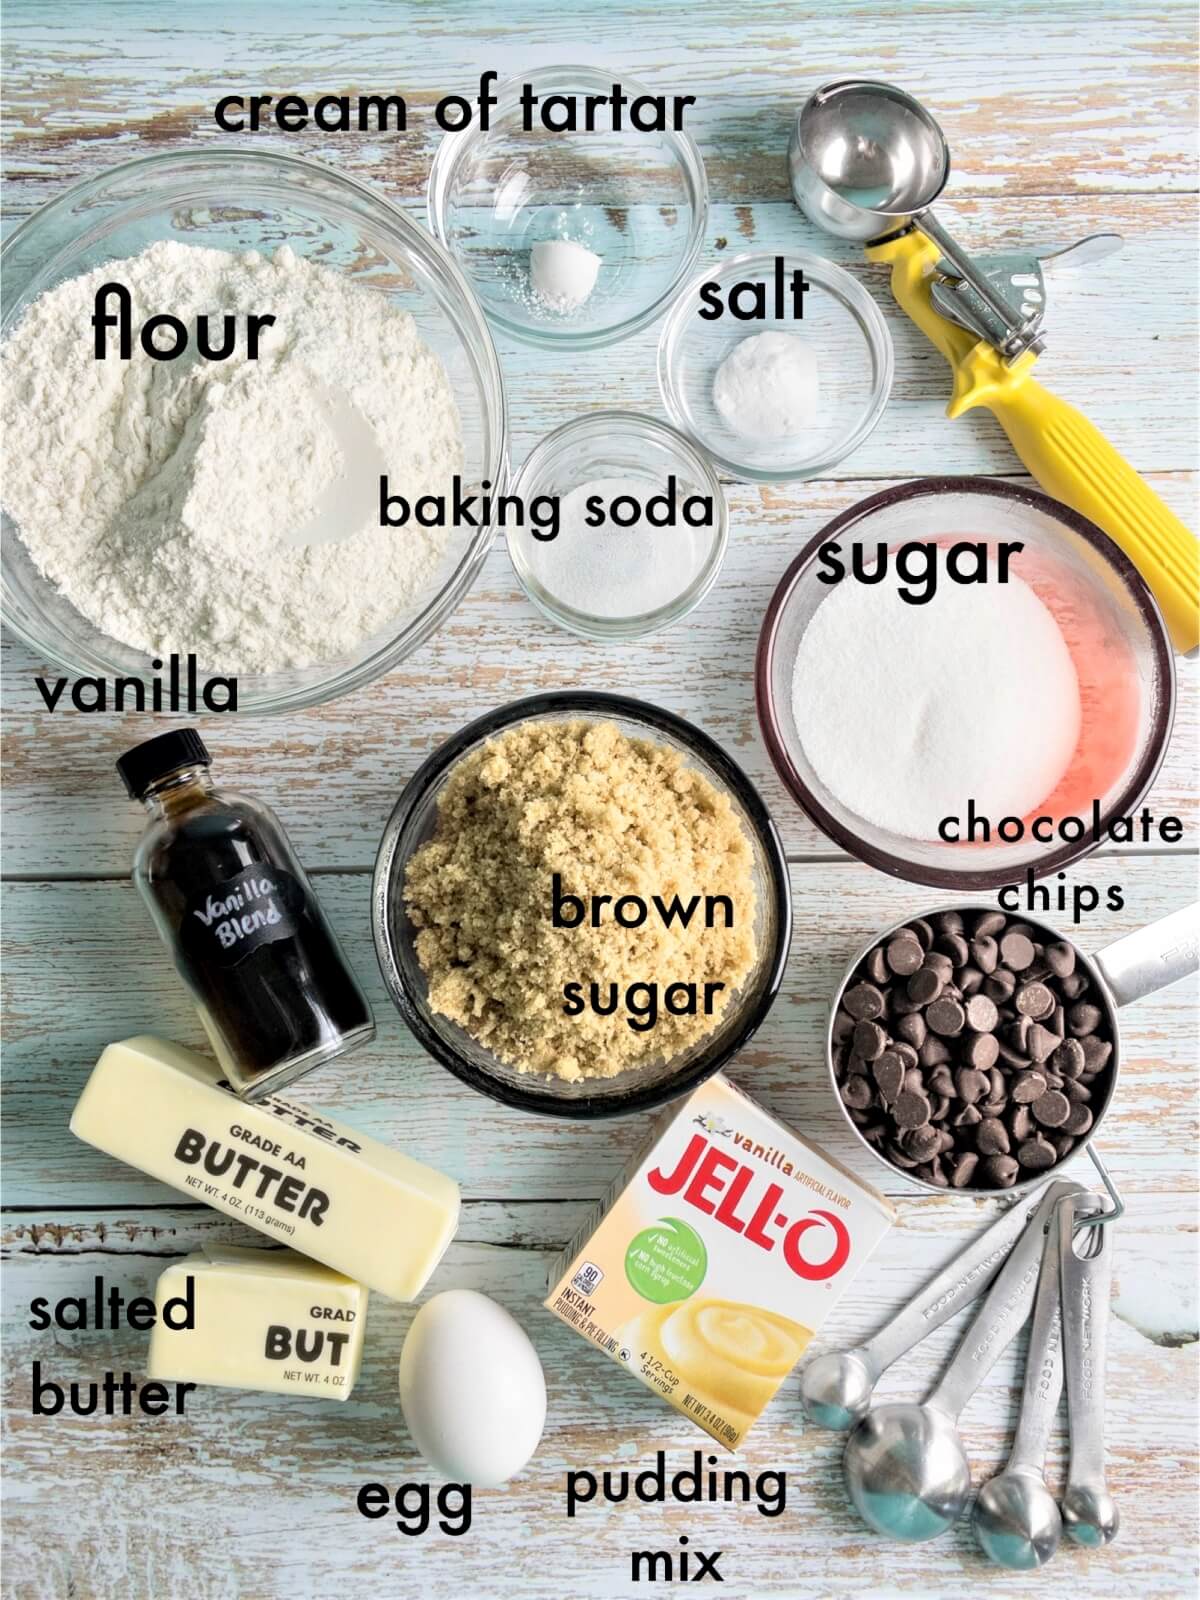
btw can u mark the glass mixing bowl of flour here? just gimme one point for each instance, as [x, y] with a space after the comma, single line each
[236, 201]
[1044, 705]
[571, 239]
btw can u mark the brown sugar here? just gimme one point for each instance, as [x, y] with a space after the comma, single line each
[610, 816]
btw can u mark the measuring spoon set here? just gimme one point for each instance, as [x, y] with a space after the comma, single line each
[905, 1468]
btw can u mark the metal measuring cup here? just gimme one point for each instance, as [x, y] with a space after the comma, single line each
[865, 159]
[1137, 965]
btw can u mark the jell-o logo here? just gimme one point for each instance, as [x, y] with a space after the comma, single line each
[705, 1172]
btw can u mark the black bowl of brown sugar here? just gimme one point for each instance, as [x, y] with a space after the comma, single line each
[973, 1050]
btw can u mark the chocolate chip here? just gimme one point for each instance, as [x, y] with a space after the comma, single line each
[956, 947]
[922, 1143]
[924, 986]
[912, 1029]
[1079, 1120]
[991, 1137]
[922, 931]
[1013, 1058]
[1017, 1033]
[934, 1174]
[913, 1081]
[972, 1086]
[856, 1093]
[1057, 1022]
[870, 1041]
[982, 1014]
[1083, 1019]
[1027, 1087]
[1074, 1089]
[843, 1027]
[946, 1017]
[904, 953]
[1095, 1053]
[948, 922]
[985, 953]
[963, 1169]
[1069, 1058]
[1016, 950]
[1000, 1171]
[1037, 1154]
[1074, 985]
[910, 1110]
[999, 987]
[1064, 1143]
[933, 1051]
[969, 980]
[906, 1053]
[1052, 1109]
[942, 1106]
[863, 1002]
[896, 1155]
[856, 1114]
[1041, 1042]
[888, 1073]
[1060, 958]
[1034, 1000]
[988, 923]
[968, 1117]
[877, 967]
[983, 1050]
[941, 1081]
[1020, 1122]
[941, 964]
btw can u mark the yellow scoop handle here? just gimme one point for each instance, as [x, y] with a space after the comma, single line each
[1069, 457]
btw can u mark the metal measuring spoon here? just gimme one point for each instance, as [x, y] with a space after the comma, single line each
[836, 1389]
[905, 1468]
[1089, 1514]
[1016, 1518]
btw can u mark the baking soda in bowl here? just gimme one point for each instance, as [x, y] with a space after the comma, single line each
[908, 711]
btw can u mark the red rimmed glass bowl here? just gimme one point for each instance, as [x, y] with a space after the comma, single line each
[1111, 625]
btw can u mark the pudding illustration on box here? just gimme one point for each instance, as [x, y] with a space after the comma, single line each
[716, 1256]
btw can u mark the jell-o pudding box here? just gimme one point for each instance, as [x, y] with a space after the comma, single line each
[716, 1256]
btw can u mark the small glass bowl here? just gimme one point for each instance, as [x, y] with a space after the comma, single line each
[843, 325]
[1113, 629]
[413, 822]
[637, 200]
[619, 444]
[255, 200]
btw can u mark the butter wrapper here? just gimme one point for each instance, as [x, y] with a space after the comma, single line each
[716, 1256]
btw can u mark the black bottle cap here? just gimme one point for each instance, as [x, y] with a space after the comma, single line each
[145, 764]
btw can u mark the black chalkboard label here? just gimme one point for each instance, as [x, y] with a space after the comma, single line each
[257, 906]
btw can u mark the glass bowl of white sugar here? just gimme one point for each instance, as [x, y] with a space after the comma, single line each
[198, 506]
[777, 365]
[579, 211]
[617, 526]
[966, 684]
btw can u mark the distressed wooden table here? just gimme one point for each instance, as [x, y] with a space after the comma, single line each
[1075, 118]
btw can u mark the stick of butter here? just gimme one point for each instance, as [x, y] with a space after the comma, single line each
[263, 1319]
[294, 1174]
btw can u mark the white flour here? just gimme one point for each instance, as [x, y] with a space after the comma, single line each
[157, 495]
[906, 712]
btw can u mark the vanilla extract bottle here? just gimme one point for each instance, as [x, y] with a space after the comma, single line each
[247, 934]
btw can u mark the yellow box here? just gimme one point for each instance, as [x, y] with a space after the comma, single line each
[716, 1256]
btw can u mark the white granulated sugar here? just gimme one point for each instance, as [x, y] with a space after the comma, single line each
[563, 273]
[768, 386]
[907, 711]
[158, 495]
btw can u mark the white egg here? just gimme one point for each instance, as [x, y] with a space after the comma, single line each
[472, 1389]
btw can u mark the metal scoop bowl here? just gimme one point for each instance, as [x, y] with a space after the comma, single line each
[865, 160]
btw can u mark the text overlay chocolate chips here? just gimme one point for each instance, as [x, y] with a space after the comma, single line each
[970, 1052]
